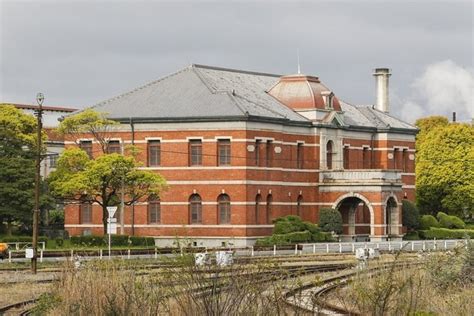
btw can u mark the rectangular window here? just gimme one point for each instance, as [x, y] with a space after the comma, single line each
[223, 152]
[86, 213]
[154, 153]
[405, 160]
[86, 145]
[195, 152]
[113, 147]
[53, 161]
[366, 161]
[299, 156]
[268, 153]
[257, 152]
[346, 157]
[396, 158]
[154, 211]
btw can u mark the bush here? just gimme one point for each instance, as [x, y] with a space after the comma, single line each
[88, 241]
[116, 240]
[444, 233]
[288, 224]
[450, 221]
[413, 235]
[59, 241]
[427, 221]
[410, 215]
[23, 239]
[142, 241]
[330, 220]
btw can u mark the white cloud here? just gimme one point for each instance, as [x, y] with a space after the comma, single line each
[444, 87]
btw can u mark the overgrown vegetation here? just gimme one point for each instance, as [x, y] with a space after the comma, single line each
[291, 229]
[442, 285]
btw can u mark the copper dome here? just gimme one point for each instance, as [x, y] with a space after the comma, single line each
[302, 92]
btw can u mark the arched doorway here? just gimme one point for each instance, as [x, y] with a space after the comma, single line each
[356, 218]
[391, 217]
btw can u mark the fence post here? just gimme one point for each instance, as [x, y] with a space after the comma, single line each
[378, 246]
[252, 254]
[100, 254]
[9, 256]
[389, 246]
[314, 248]
[41, 255]
[445, 245]
[274, 250]
[340, 248]
[353, 247]
[424, 245]
[72, 254]
[327, 248]
[128, 254]
[296, 249]
[412, 246]
[156, 253]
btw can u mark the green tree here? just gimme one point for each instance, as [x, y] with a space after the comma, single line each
[102, 180]
[410, 215]
[445, 167]
[330, 220]
[17, 147]
[88, 122]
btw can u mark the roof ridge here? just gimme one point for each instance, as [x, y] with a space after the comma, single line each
[261, 106]
[236, 70]
[389, 115]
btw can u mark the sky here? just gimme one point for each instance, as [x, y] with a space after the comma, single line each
[79, 53]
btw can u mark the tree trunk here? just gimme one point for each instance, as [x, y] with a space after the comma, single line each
[105, 215]
[9, 228]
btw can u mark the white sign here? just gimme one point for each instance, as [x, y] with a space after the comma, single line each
[29, 253]
[201, 259]
[112, 228]
[111, 210]
[224, 258]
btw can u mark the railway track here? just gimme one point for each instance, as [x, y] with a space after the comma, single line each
[309, 298]
[19, 308]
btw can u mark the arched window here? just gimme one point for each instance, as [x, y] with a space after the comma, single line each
[299, 201]
[223, 207]
[329, 153]
[154, 210]
[269, 208]
[258, 201]
[86, 213]
[195, 209]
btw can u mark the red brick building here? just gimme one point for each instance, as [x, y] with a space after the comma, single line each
[240, 148]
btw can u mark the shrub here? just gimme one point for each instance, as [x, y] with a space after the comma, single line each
[142, 241]
[410, 215]
[413, 235]
[450, 221]
[288, 224]
[427, 221]
[330, 220]
[444, 233]
[23, 239]
[59, 241]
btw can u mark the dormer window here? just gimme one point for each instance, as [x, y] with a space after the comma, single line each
[328, 97]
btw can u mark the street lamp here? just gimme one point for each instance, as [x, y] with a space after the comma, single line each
[36, 211]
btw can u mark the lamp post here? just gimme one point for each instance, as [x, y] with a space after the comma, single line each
[36, 211]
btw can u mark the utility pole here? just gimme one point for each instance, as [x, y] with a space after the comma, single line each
[36, 211]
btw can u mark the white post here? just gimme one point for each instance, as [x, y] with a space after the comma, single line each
[434, 245]
[100, 254]
[274, 250]
[9, 256]
[389, 246]
[156, 253]
[353, 247]
[445, 245]
[41, 255]
[296, 249]
[72, 254]
[314, 248]
[340, 248]
[44, 245]
[110, 239]
[424, 245]
[378, 246]
[401, 245]
[327, 248]
[128, 254]
[252, 253]
[412, 246]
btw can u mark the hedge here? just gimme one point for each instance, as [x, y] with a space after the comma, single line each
[413, 235]
[12, 239]
[116, 240]
[444, 233]
[427, 221]
[450, 221]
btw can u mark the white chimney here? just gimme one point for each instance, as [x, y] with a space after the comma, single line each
[381, 89]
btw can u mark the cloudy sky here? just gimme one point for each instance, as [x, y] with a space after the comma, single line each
[81, 52]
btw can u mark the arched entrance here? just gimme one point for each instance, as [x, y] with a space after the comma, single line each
[357, 217]
[391, 217]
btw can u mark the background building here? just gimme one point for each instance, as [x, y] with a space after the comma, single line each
[241, 148]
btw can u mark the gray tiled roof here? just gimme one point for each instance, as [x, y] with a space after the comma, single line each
[204, 92]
